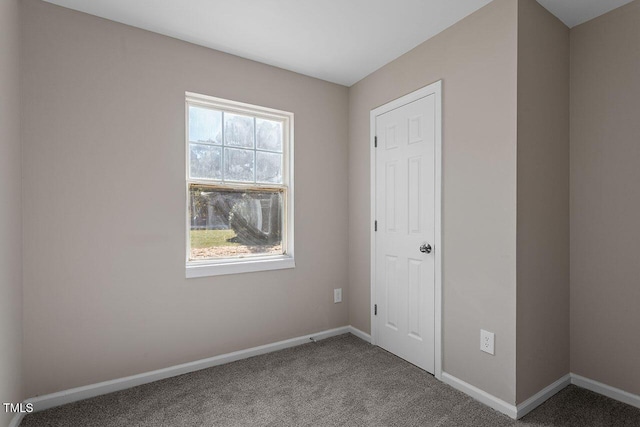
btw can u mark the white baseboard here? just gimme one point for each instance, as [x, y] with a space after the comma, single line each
[519, 411]
[481, 395]
[513, 411]
[606, 390]
[540, 397]
[362, 335]
[47, 401]
[16, 420]
[80, 393]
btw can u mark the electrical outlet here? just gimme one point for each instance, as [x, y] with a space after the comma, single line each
[337, 295]
[487, 341]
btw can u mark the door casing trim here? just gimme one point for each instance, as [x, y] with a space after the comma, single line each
[432, 89]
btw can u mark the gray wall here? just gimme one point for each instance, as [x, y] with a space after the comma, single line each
[10, 209]
[543, 199]
[104, 211]
[477, 60]
[605, 198]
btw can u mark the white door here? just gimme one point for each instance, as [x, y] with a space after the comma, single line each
[404, 253]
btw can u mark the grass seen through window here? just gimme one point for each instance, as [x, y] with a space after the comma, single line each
[208, 238]
[208, 244]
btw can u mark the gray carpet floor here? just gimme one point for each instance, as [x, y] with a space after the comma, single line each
[341, 381]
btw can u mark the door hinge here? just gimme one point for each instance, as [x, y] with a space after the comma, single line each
[375, 309]
[375, 141]
[375, 225]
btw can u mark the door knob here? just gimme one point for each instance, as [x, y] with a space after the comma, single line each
[425, 248]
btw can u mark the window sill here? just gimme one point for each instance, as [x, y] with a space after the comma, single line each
[219, 268]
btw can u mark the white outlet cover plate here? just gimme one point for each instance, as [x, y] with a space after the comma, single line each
[337, 295]
[487, 342]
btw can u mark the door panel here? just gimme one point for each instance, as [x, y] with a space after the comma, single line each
[415, 195]
[405, 211]
[415, 297]
[391, 311]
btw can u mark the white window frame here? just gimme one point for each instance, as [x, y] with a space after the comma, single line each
[222, 266]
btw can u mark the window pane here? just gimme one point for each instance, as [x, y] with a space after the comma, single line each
[205, 125]
[268, 167]
[205, 161]
[238, 130]
[238, 165]
[234, 223]
[269, 135]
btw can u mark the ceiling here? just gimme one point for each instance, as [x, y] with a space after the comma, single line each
[340, 41]
[575, 12]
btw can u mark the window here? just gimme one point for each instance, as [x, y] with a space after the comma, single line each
[239, 187]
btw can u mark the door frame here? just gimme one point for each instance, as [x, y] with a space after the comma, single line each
[432, 89]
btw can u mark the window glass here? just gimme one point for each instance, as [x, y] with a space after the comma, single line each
[205, 125]
[268, 167]
[205, 161]
[234, 223]
[238, 130]
[268, 135]
[239, 165]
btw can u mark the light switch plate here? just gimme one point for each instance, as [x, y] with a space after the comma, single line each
[337, 295]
